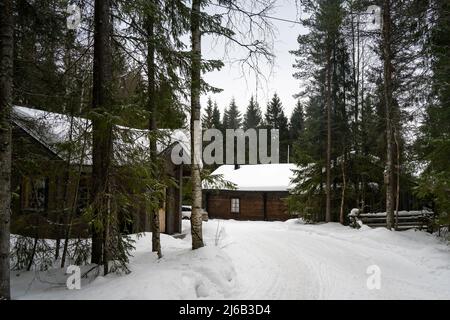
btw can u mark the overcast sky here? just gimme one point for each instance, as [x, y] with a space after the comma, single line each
[279, 78]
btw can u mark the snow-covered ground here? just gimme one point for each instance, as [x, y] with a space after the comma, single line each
[267, 260]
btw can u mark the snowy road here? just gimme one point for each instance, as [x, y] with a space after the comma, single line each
[268, 260]
[296, 261]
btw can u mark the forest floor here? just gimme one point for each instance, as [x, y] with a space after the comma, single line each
[267, 260]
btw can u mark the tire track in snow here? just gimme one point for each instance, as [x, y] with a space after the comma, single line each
[327, 262]
[274, 265]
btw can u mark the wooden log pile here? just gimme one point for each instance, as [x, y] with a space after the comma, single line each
[422, 220]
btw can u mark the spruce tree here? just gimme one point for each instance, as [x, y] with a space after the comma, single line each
[232, 118]
[276, 119]
[40, 33]
[297, 122]
[308, 195]
[274, 116]
[317, 63]
[225, 122]
[253, 115]
[216, 123]
[207, 118]
[434, 142]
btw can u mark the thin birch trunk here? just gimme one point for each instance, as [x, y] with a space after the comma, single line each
[196, 215]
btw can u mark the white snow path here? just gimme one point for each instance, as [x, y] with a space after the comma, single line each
[267, 260]
[268, 267]
[294, 261]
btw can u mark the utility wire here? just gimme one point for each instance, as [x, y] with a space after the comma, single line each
[277, 18]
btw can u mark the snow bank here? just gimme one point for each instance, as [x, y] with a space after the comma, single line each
[267, 260]
[206, 273]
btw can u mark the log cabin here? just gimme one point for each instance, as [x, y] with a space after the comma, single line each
[259, 192]
[44, 193]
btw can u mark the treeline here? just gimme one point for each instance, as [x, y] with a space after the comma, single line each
[273, 118]
[119, 64]
[376, 126]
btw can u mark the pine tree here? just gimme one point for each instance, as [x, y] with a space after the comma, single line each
[253, 115]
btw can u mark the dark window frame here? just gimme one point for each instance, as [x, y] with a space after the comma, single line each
[28, 193]
[238, 205]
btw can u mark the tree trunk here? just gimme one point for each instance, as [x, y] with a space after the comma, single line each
[151, 107]
[63, 216]
[397, 195]
[328, 164]
[389, 172]
[363, 130]
[355, 79]
[6, 66]
[196, 215]
[344, 186]
[73, 207]
[33, 251]
[102, 128]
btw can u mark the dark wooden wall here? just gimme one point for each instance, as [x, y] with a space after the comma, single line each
[254, 205]
[173, 195]
[32, 158]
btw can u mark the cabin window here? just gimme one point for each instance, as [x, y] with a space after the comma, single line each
[34, 194]
[83, 193]
[235, 205]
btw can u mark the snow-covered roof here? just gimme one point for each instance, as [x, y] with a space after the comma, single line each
[260, 177]
[53, 129]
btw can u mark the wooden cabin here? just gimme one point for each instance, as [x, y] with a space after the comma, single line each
[43, 191]
[259, 192]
